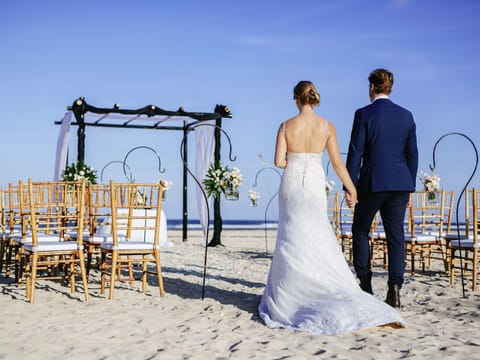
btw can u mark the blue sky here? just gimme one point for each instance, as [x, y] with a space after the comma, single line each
[247, 55]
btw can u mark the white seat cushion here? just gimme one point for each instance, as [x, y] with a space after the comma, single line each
[378, 235]
[53, 246]
[41, 237]
[128, 245]
[454, 236]
[464, 243]
[421, 238]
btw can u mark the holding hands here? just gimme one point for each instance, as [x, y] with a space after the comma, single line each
[351, 198]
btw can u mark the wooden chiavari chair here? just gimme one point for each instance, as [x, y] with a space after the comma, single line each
[426, 228]
[53, 210]
[134, 208]
[468, 243]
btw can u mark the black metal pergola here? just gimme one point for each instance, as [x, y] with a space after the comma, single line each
[152, 117]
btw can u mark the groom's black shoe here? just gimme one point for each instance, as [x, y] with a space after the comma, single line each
[393, 296]
[366, 284]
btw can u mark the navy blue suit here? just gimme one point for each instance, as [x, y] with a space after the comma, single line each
[382, 162]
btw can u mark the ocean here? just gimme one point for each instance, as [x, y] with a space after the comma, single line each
[227, 224]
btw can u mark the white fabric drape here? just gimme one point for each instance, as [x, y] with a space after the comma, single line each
[205, 145]
[62, 146]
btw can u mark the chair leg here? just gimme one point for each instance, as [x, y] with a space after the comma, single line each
[452, 266]
[144, 273]
[89, 259]
[159, 273]
[2, 252]
[112, 275]
[130, 271]
[103, 271]
[72, 274]
[9, 251]
[33, 277]
[28, 275]
[83, 273]
[474, 269]
[385, 254]
[412, 259]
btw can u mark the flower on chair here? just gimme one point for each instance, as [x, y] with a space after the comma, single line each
[77, 171]
[431, 183]
[166, 186]
[329, 186]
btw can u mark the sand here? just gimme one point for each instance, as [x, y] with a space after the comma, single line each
[225, 324]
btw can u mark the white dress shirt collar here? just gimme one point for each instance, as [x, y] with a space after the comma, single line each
[380, 97]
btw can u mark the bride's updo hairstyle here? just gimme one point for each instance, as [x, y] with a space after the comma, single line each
[306, 93]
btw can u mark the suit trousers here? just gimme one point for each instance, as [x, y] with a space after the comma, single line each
[392, 206]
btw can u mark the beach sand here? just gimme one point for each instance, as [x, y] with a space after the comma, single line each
[440, 322]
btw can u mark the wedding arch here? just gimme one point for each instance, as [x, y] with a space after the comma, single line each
[149, 117]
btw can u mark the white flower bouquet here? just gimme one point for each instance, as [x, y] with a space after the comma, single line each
[77, 171]
[431, 183]
[222, 180]
[233, 181]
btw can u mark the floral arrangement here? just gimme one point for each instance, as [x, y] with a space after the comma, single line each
[431, 183]
[254, 196]
[77, 171]
[329, 186]
[220, 179]
[166, 186]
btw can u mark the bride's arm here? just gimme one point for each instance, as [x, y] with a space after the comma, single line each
[338, 165]
[281, 149]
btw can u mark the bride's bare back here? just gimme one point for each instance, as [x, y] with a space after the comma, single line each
[309, 133]
[306, 133]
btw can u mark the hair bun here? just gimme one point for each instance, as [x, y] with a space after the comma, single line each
[306, 93]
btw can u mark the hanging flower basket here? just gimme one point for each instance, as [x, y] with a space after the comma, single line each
[254, 196]
[231, 194]
[220, 179]
[431, 184]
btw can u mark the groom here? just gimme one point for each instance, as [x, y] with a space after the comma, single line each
[382, 162]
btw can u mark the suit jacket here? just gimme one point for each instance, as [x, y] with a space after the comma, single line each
[383, 155]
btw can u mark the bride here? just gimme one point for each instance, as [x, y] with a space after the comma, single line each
[310, 286]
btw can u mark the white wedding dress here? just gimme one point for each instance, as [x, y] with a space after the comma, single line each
[310, 286]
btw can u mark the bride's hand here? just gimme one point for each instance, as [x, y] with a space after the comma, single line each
[351, 199]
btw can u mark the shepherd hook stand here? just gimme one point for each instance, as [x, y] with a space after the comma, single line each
[432, 168]
[205, 197]
[269, 201]
[114, 162]
[131, 179]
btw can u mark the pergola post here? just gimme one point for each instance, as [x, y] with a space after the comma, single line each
[78, 109]
[185, 186]
[217, 217]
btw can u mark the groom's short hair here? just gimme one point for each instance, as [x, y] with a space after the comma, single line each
[382, 81]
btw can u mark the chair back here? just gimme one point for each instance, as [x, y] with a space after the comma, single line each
[15, 212]
[472, 213]
[99, 208]
[430, 216]
[136, 211]
[3, 212]
[54, 208]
